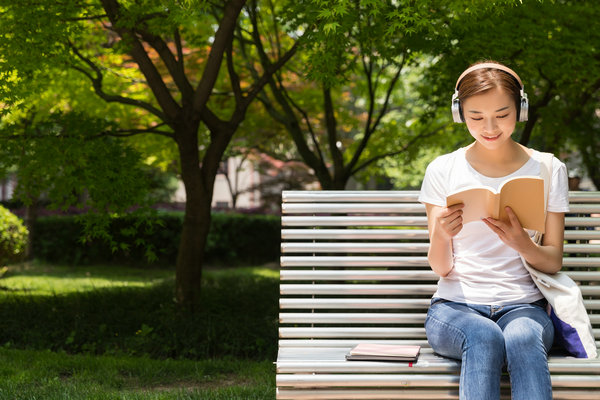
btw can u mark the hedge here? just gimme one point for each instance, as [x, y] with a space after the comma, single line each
[238, 322]
[234, 239]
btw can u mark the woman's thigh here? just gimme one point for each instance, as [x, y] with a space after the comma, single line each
[526, 327]
[453, 327]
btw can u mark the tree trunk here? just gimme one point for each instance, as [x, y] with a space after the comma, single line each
[198, 179]
[196, 221]
[31, 213]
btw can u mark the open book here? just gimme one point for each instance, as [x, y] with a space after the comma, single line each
[523, 194]
[383, 352]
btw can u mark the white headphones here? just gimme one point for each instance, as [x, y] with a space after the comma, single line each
[523, 111]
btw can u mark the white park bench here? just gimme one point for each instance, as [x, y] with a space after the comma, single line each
[354, 269]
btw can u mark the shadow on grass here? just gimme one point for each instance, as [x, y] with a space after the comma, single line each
[237, 318]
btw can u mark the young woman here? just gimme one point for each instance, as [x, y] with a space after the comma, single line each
[487, 312]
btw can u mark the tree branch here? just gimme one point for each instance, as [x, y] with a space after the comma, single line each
[369, 130]
[233, 76]
[305, 117]
[410, 143]
[533, 115]
[222, 40]
[160, 90]
[174, 65]
[98, 86]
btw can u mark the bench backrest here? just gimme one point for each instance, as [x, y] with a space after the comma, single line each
[354, 265]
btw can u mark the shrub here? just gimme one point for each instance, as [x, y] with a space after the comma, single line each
[13, 237]
[234, 239]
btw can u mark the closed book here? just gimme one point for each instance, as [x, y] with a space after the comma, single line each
[383, 352]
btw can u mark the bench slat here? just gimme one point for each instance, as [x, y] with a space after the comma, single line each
[584, 208]
[414, 394]
[396, 221]
[373, 303]
[380, 247]
[391, 208]
[392, 196]
[349, 196]
[582, 234]
[366, 318]
[353, 261]
[376, 208]
[353, 221]
[375, 289]
[346, 343]
[353, 318]
[582, 221]
[361, 275]
[377, 380]
[392, 275]
[396, 261]
[354, 234]
[359, 332]
[352, 332]
[351, 289]
[396, 234]
[411, 380]
[352, 247]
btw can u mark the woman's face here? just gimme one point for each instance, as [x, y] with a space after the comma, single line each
[490, 117]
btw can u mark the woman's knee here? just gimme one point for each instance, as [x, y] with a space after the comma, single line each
[525, 334]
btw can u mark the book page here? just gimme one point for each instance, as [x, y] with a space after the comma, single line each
[479, 203]
[525, 195]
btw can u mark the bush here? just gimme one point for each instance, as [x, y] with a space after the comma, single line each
[234, 239]
[13, 237]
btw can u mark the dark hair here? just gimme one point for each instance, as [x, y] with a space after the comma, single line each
[484, 79]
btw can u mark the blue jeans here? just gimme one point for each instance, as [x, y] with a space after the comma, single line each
[487, 338]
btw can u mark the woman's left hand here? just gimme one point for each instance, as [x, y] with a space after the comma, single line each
[510, 232]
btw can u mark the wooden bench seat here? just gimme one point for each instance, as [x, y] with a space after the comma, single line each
[354, 269]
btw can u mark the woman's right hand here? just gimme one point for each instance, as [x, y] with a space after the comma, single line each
[447, 221]
[443, 224]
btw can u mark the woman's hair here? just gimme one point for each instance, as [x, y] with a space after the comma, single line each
[484, 79]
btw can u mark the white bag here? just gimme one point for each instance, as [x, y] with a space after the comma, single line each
[572, 327]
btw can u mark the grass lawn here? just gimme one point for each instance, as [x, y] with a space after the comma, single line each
[42, 374]
[26, 374]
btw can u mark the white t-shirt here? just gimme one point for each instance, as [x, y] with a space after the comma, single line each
[486, 271]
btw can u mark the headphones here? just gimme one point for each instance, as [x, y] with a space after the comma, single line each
[523, 111]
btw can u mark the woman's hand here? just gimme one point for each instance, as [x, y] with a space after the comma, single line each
[511, 232]
[448, 221]
[443, 224]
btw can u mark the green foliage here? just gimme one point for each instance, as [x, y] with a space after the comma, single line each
[238, 318]
[13, 237]
[552, 46]
[69, 159]
[233, 239]
[88, 377]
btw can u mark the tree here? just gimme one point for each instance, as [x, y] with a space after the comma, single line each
[68, 160]
[178, 49]
[343, 100]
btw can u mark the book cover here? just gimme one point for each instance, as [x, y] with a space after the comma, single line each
[523, 194]
[384, 352]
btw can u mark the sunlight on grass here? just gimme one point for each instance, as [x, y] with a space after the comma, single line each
[40, 279]
[36, 278]
[264, 272]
